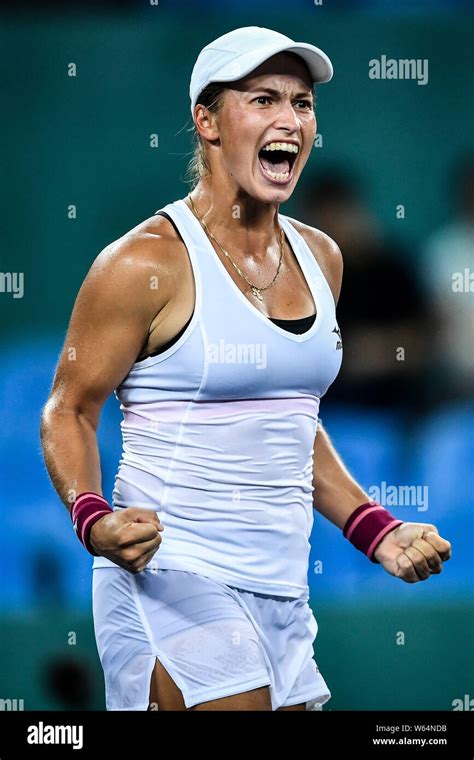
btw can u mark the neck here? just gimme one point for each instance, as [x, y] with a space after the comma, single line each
[239, 220]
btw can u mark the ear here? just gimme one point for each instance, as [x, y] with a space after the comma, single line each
[206, 122]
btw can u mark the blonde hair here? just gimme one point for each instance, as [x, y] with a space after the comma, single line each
[212, 98]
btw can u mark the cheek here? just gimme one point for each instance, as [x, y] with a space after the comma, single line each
[241, 133]
[309, 132]
[239, 139]
[312, 126]
[230, 134]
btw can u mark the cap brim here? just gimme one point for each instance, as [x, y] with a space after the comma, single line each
[319, 65]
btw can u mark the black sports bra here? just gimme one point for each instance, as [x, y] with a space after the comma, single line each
[296, 326]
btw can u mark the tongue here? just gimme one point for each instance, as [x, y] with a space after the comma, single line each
[279, 167]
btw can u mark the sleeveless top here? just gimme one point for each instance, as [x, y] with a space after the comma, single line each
[218, 430]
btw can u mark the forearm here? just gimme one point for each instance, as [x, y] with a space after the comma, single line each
[336, 494]
[70, 452]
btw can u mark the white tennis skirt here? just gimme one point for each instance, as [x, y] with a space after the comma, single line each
[214, 640]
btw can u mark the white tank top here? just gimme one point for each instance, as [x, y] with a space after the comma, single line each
[218, 430]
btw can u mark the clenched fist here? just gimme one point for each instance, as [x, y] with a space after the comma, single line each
[129, 537]
[413, 552]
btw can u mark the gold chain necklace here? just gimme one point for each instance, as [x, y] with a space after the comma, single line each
[256, 291]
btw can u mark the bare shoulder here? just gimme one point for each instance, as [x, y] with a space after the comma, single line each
[152, 249]
[326, 252]
[151, 245]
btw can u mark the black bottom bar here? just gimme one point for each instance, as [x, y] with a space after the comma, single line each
[324, 734]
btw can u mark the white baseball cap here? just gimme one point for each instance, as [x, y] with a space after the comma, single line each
[237, 53]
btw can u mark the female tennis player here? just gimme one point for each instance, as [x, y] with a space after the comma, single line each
[214, 323]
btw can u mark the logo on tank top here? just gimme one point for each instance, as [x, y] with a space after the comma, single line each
[339, 342]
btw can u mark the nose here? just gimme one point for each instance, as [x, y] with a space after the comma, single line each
[287, 118]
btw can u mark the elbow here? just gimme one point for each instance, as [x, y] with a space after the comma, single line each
[57, 411]
[45, 419]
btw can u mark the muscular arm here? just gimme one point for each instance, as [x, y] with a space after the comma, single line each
[109, 325]
[412, 551]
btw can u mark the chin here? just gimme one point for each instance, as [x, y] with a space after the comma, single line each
[278, 194]
[270, 194]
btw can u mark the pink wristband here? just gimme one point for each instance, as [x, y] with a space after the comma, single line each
[367, 525]
[86, 510]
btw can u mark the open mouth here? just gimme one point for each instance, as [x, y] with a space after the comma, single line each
[277, 160]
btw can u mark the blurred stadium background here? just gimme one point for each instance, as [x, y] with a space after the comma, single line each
[85, 141]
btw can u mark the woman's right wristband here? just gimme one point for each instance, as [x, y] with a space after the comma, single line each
[87, 508]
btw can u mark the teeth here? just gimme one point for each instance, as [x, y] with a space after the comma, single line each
[290, 147]
[277, 175]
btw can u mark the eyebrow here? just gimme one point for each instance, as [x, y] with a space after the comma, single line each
[275, 93]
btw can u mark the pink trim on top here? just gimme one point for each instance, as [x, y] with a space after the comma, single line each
[87, 494]
[360, 518]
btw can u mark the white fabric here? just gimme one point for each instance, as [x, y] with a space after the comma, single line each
[237, 53]
[218, 431]
[214, 640]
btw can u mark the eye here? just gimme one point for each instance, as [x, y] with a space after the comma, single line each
[307, 104]
[262, 97]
